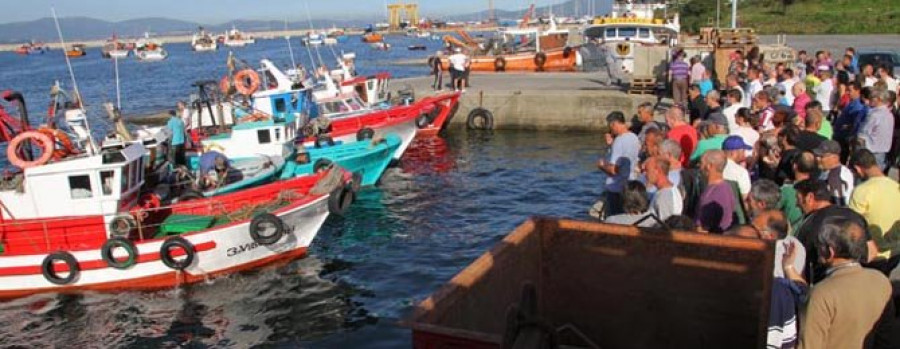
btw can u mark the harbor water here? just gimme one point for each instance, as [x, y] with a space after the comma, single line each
[445, 203]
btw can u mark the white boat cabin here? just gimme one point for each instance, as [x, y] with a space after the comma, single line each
[252, 139]
[103, 184]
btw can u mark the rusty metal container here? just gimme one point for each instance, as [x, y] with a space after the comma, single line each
[620, 286]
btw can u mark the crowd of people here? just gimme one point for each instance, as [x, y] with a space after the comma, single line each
[793, 153]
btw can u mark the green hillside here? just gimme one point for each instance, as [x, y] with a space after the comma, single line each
[798, 16]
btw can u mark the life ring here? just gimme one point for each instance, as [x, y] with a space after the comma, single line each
[173, 243]
[539, 60]
[485, 115]
[12, 150]
[50, 273]
[62, 143]
[256, 117]
[107, 253]
[500, 64]
[122, 225]
[261, 224]
[340, 200]
[322, 164]
[365, 133]
[246, 81]
[567, 52]
[422, 121]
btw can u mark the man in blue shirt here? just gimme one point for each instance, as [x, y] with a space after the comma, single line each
[847, 125]
[620, 166]
[176, 149]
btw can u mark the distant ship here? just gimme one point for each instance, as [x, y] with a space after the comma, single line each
[235, 38]
[203, 42]
[113, 48]
[149, 50]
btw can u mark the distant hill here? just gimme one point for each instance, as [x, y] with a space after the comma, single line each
[83, 28]
[799, 16]
[571, 8]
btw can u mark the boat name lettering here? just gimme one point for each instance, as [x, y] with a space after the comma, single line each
[234, 251]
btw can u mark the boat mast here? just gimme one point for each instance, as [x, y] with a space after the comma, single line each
[91, 146]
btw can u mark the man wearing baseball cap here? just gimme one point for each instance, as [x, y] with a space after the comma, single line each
[736, 152]
[717, 127]
[838, 177]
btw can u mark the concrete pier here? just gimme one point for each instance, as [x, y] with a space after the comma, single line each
[539, 101]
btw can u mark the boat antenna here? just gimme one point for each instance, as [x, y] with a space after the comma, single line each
[68, 62]
[287, 37]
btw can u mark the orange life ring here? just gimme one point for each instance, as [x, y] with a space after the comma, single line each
[246, 81]
[45, 142]
[256, 117]
[62, 144]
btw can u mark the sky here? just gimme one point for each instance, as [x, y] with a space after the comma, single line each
[219, 11]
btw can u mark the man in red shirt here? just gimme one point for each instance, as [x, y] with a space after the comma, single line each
[681, 132]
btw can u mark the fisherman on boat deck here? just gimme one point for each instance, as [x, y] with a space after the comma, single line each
[216, 170]
[176, 126]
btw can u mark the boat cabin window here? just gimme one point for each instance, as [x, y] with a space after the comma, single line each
[80, 187]
[627, 32]
[644, 33]
[106, 181]
[610, 32]
[263, 136]
[353, 104]
[278, 135]
[280, 105]
[124, 182]
[133, 175]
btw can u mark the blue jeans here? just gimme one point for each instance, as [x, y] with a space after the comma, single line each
[880, 159]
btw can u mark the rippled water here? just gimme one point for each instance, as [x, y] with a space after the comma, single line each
[445, 204]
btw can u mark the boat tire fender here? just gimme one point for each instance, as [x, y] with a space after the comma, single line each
[500, 64]
[321, 165]
[173, 243]
[51, 275]
[107, 253]
[487, 119]
[567, 52]
[340, 200]
[261, 223]
[539, 60]
[365, 133]
[357, 182]
[122, 225]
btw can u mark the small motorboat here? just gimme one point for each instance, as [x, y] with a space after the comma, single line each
[113, 48]
[381, 46]
[417, 48]
[372, 37]
[77, 50]
[366, 158]
[149, 50]
[236, 38]
[203, 42]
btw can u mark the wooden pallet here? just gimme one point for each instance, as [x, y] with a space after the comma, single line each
[736, 31]
[641, 92]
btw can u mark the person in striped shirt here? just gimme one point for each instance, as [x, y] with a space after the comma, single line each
[679, 76]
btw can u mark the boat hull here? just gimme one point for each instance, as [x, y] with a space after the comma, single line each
[558, 60]
[362, 157]
[440, 117]
[219, 250]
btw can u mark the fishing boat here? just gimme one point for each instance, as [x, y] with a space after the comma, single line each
[630, 27]
[32, 48]
[519, 49]
[203, 41]
[367, 158]
[113, 48]
[380, 46]
[372, 37]
[545, 281]
[417, 47]
[236, 38]
[240, 173]
[84, 222]
[149, 50]
[77, 50]
[313, 39]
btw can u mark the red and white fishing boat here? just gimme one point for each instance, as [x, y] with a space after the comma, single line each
[83, 223]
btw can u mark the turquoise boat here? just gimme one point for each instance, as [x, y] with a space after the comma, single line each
[366, 159]
[253, 171]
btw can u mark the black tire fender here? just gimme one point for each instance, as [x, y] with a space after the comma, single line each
[50, 273]
[483, 114]
[107, 253]
[340, 199]
[322, 164]
[257, 227]
[177, 242]
[539, 60]
[122, 225]
[324, 140]
[422, 121]
[365, 133]
[500, 64]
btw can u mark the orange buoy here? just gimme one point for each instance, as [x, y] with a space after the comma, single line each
[44, 142]
[246, 81]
